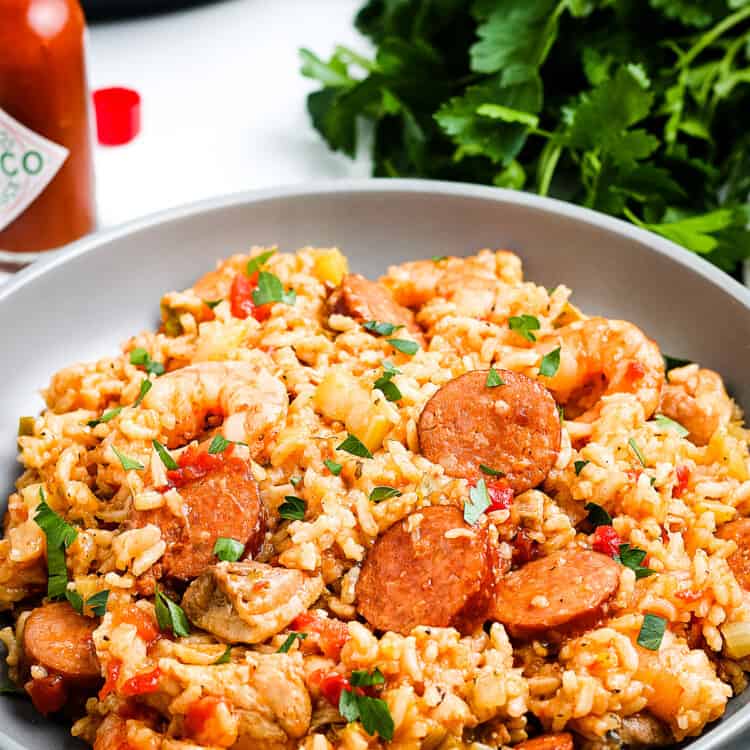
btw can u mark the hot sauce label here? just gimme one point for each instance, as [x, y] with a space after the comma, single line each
[28, 162]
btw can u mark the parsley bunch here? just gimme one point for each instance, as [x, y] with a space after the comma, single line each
[636, 108]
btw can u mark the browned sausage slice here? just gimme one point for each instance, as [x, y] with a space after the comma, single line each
[60, 640]
[563, 741]
[365, 300]
[739, 531]
[429, 569]
[513, 428]
[225, 502]
[564, 589]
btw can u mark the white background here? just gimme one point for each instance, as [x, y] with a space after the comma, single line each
[223, 102]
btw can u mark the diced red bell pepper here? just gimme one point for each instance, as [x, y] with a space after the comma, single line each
[606, 541]
[141, 683]
[682, 474]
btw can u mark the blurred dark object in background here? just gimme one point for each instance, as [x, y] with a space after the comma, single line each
[103, 10]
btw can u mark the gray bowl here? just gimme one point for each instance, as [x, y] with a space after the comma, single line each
[80, 303]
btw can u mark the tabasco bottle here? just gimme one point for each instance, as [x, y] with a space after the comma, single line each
[46, 166]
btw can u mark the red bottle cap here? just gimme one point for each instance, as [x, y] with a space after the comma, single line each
[118, 115]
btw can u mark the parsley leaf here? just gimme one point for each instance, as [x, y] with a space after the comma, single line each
[380, 328]
[363, 678]
[598, 515]
[226, 657]
[632, 557]
[490, 471]
[290, 639]
[227, 549]
[634, 447]
[269, 290]
[141, 358]
[59, 535]
[524, 325]
[372, 712]
[652, 632]
[219, 444]
[352, 444]
[255, 263]
[75, 599]
[670, 424]
[98, 602]
[165, 456]
[438, 258]
[405, 346]
[493, 378]
[129, 464]
[212, 303]
[333, 467]
[170, 616]
[550, 363]
[379, 494]
[385, 385]
[293, 508]
[478, 502]
[578, 466]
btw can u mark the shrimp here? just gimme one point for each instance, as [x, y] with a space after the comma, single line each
[599, 357]
[252, 402]
[697, 400]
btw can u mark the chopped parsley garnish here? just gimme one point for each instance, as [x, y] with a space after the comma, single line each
[75, 599]
[389, 368]
[98, 602]
[478, 502]
[269, 290]
[493, 378]
[352, 444]
[145, 388]
[652, 632]
[25, 426]
[385, 385]
[670, 424]
[292, 508]
[295, 481]
[259, 260]
[634, 447]
[106, 417]
[405, 346]
[632, 557]
[524, 325]
[219, 444]
[372, 712]
[333, 467]
[438, 258]
[165, 456]
[212, 303]
[141, 358]
[60, 535]
[362, 678]
[489, 471]
[550, 363]
[228, 550]
[578, 466]
[598, 515]
[290, 639]
[381, 328]
[129, 464]
[225, 657]
[379, 494]
[170, 616]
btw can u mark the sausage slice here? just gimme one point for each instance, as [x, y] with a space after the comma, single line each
[739, 531]
[364, 300]
[513, 428]
[564, 589]
[225, 502]
[432, 568]
[563, 741]
[60, 640]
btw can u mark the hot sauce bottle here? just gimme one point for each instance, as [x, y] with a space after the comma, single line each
[46, 165]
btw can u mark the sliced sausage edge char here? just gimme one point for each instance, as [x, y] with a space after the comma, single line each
[429, 569]
[513, 428]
